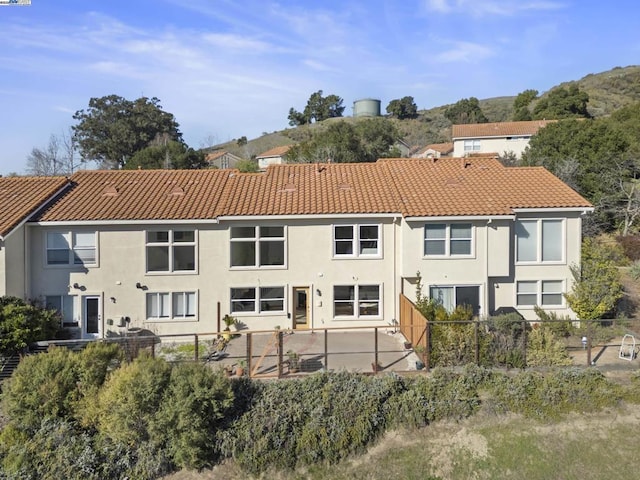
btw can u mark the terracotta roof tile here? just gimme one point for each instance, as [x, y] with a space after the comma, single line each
[21, 196]
[476, 186]
[275, 152]
[305, 189]
[140, 195]
[410, 187]
[498, 129]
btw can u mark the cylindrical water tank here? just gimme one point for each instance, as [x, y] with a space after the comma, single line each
[366, 107]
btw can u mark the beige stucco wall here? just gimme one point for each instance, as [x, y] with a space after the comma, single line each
[12, 264]
[493, 145]
[121, 251]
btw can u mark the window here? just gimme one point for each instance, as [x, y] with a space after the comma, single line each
[257, 246]
[539, 240]
[165, 305]
[356, 301]
[71, 248]
[64, 305]
[257, 300]
[454, 296]
[356, 240]
[442, 239]
[471, 145]
[545, 293]
[171, 251]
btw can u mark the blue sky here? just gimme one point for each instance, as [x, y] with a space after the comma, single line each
[228, 68]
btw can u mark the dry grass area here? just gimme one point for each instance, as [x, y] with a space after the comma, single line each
[581, 447]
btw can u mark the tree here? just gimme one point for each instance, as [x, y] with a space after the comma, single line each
[403, 108]
[170, 155]
[318, 108]
[247, 166]
[23, 323]
[521, 105]
[113, 128]
[597, 287]
[46, 161]
[342, 142]
[563, 103]
[466, 111]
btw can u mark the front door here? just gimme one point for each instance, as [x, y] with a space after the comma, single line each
[91, 317]
[301, 303]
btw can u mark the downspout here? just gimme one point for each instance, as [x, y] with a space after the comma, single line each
[485, 295]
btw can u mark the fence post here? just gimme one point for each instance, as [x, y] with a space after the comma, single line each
[588, 344]
[280, 347]
[427, 350]
[524, 343]
[153, 349]
[195, 343]
[326, 350]
[477, 341]
[375, 347]
[248, 353]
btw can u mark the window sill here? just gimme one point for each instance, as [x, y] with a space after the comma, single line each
[172, 320]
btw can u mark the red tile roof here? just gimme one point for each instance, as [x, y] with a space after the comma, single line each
[140, 195]
[275, 152]
[22, 196]
[443, 148]
[410, 187]
[304, 189]
[499, 129]
[476, 186]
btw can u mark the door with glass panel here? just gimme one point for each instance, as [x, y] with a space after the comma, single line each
[91, 327]
[301, 315]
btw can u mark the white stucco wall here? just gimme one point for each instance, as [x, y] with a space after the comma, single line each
[12, 264]
[500, 145]
[309, 247]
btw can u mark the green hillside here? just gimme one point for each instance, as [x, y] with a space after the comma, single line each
[608, 91]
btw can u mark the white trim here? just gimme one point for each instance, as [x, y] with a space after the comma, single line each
[460, 218]
[303, 216]
[257, 312]
[170, 245]
[538, 293]
[356, 241]
[356, 301]
[539, 241]
[257, 240]
[448, 240]
[71, 223]
[171, 317]
[553, 209]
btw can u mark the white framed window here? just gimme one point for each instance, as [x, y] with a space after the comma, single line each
[357, 241]
[257, 300]
[71, 248]
[258, 246]
[65, 306]
[357, 301]
[546, 293]
[540, 241]
[452, 296]
[448, 240]
[171, 305]
[472, 145]
[171, 251]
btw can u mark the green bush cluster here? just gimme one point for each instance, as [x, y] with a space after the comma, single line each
[96, 418]
[23, 323]
[138, 420]
[553, 393]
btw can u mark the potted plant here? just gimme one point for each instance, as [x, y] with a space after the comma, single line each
[294, 361]
[242, 364]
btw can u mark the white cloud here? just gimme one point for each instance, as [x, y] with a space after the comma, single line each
[479, 8]
[466, 52]
[236, 42]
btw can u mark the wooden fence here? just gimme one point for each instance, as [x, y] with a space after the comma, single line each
[415, 328]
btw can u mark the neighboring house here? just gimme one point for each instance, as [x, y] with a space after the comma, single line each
[299, 246]
[403, 147]
[20, 197]
[435, 150]
[222, 159]
[274, 156]
[498, 137]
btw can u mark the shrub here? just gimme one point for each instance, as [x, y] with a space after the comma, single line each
[630, 245]
[506, 341]
[22, 324]
[544, 349]
[560, 326]
[128, 401]
[634, 271]
[192, 410]
[323, 418]
[43, 386]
